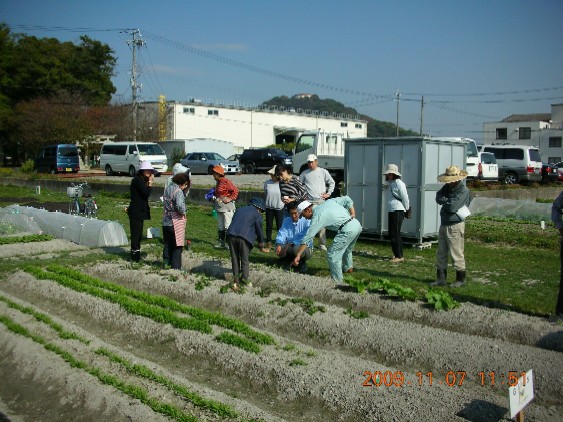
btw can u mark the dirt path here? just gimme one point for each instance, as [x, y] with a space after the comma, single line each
[315, 370]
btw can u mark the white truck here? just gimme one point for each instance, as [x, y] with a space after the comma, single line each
[327, 146]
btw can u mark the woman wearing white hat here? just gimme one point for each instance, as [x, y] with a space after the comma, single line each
[397, 205]
[138, 210]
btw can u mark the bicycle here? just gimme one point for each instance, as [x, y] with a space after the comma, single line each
[89, 209]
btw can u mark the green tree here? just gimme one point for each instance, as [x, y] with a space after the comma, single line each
[41, 77]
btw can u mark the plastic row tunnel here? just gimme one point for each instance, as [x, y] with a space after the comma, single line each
[84, 231]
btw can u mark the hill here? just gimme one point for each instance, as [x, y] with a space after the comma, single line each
[376, 128]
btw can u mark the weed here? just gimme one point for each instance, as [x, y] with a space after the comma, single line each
[297, 362]
[357, 315]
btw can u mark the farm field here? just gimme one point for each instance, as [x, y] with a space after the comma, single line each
[86, 335]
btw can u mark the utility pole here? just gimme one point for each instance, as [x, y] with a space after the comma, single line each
[135, 43]
[398, 96]
[421, 113]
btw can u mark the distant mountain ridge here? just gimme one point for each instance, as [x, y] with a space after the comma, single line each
[376, 128]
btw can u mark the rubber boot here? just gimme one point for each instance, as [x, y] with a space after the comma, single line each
[459, 279]
[441, 276]
[221, 239]
[135, 256]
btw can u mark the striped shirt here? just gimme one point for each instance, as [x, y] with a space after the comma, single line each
[294, 189]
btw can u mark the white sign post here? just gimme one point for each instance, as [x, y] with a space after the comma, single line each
[520, 395]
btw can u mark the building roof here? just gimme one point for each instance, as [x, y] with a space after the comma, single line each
[536, 117]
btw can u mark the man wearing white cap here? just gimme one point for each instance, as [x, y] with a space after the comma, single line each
[319, 185]
[292, 231]
[339, 216]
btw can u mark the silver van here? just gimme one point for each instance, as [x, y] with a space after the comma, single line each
[517, 163]
[126, 157]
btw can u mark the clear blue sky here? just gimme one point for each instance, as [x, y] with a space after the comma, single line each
[474, 61]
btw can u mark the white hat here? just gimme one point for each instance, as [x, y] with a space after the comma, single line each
[146, 165]
[311, 157]
[179, 168]
[272, 170]
[392, 168]
[302, 206]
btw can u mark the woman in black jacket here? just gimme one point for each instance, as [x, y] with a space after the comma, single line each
[139, 211]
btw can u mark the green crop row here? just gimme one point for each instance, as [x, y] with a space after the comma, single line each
[119, 295]
[25, 239]
[164, 302]
[131, 390]
[67, 335]
[145, 372]
[440, 299]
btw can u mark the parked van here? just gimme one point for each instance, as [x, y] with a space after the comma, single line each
[57, 158]
[126, 157]
[472, 163]
[517, 163]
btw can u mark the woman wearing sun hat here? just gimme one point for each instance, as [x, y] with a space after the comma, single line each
[397, 204]
[138, 210]
[452, 197]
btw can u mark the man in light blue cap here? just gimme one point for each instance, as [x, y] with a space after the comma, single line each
[339, 216]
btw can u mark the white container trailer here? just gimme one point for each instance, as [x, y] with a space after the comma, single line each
[420, 161]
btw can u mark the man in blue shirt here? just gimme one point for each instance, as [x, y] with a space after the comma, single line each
[291, 233]
[339, 216]
[244, 230]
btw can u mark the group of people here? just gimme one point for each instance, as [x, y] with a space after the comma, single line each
[301, 208]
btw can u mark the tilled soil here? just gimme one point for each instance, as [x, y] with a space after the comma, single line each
[316, 370]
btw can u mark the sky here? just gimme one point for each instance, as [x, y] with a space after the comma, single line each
[472, 61]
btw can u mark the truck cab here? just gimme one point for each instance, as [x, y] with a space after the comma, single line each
[327, 146]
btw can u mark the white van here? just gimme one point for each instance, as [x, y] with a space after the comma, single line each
[472, 163]
[126, 157]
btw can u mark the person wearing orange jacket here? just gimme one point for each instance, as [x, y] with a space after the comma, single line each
[225, 195]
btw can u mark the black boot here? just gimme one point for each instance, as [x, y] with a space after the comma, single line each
[135, 256]
[441, 276]
[459, 279]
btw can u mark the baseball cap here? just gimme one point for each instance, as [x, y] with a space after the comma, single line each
[302, 206]
[311, 157]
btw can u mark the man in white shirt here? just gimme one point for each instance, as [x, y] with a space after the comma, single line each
[319, 185]
[289, 237]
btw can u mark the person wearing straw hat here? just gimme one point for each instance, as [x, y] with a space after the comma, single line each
[225, 194]
[138, 210]
[452, 197]
[397, 205]
[274, 205]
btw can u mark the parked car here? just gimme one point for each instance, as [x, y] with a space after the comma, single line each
[234, 157]
[262, 159]
[549, 173]
[487, 168]
[203, 163]
[517, 163]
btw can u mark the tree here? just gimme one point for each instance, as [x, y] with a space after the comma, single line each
[42, 78]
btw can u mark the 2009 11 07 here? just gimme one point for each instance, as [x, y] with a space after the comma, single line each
[450, 379]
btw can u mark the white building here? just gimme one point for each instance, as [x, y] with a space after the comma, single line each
[544, 130]
[253, 127]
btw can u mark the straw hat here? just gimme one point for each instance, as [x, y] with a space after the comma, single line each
[219, 170]
[392, 168]
[452, 174]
